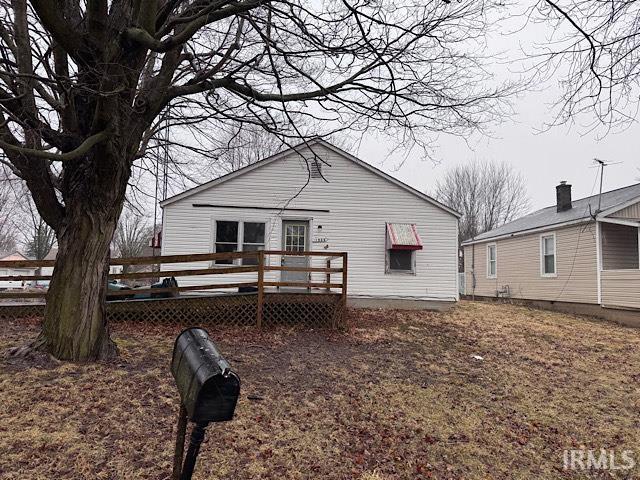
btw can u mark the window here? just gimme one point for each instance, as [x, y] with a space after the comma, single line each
[402, 243]
[230, 235]
[492, 260]
[548, 255]
[295, 237]
[226, 239]
[400, 261]
[253, 239]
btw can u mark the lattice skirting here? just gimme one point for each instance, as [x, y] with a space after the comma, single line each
[21, 311]
[312, 310]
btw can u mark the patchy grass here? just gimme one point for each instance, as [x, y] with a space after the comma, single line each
[399, 395]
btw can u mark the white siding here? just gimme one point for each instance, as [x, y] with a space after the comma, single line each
[359, 203]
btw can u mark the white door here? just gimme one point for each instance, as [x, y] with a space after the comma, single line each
[295, 238]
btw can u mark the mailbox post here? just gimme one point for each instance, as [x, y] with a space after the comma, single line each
[208, 390]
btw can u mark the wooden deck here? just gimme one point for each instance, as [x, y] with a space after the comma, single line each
[311, 303]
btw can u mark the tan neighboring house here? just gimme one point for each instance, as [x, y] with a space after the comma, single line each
[580, 255]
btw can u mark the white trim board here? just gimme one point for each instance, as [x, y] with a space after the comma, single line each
[620, 221]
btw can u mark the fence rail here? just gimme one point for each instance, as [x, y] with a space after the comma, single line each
[326, 283]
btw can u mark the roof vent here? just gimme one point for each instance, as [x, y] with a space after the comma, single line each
[563, 197]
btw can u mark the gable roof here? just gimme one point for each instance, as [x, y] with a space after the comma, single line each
[284, 153]
[582, 210]
[12, 256]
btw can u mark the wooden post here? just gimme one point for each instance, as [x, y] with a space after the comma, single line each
[180, 437]
[260, 289]
[344, 279]
[328, 278]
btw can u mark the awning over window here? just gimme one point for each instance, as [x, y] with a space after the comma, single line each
[403, 236]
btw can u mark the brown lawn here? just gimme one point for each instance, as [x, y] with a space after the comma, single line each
[396, 396]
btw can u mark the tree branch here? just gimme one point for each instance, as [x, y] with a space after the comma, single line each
[83, 149]
[144, 38]
[62, 32]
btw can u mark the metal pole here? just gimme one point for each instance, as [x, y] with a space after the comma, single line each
[180, 436]
[197, 436]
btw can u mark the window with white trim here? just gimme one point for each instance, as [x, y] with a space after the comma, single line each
[492, 260]
[235, 236]
[548, 255]
[252, 240]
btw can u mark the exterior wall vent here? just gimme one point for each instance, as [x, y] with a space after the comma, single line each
[315, 169]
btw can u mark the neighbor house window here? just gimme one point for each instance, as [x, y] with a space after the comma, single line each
[232, 236]
[548, 255]
[492, 260]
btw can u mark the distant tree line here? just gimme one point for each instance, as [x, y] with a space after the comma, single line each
[486, 194]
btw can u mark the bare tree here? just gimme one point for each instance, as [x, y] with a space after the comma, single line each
[594, 48]
[8, 232]
[93, 90]
[38, 238]
[132, 236]
[487, 194]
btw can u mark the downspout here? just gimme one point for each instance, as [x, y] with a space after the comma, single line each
[473, 271]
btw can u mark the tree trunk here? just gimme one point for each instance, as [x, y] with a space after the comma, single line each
[75, 325]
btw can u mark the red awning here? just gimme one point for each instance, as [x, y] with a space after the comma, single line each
[403, 236]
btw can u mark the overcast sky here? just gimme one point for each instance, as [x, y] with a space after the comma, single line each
[543, 158]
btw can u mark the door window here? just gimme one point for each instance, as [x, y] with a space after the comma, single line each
[295, 237]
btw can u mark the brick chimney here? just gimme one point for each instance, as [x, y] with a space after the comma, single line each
[563, 196]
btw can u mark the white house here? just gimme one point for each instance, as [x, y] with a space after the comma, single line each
[53, 253]
[6, 271]
[402, 244]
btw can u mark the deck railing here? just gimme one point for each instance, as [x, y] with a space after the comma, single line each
[263, 264]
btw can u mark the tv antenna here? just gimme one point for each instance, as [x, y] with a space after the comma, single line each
[601, 164]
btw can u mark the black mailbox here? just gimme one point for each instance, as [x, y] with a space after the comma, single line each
[208, 388]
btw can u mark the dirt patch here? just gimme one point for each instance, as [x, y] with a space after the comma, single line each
[483, 391]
